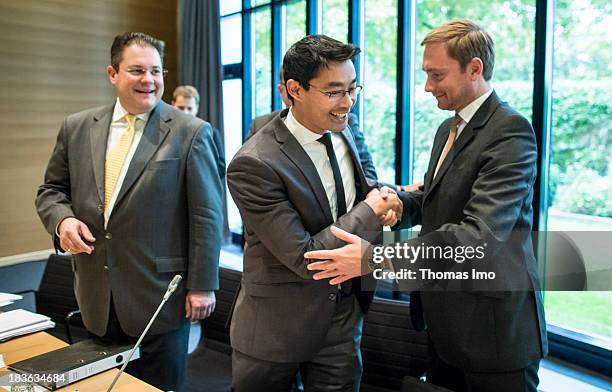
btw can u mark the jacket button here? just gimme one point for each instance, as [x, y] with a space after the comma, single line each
[106, 267]
[332, 296]
[100, 208]
[108, 236]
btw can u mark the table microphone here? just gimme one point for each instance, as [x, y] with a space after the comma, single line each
[171, 289]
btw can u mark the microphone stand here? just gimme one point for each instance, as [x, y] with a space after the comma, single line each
[171, 288]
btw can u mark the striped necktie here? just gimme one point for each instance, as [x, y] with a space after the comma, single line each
[116, 158]
[452, 135]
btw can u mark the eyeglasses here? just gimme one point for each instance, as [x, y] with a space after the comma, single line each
[337, 95]
[139, 72]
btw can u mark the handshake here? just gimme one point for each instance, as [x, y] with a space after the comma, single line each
[386, 205]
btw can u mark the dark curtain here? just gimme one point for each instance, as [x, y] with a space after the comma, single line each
[200, 64]
[200, 55]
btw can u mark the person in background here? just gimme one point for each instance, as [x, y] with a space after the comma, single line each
[187, 99]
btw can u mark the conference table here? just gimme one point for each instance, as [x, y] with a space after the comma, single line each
[28, 346]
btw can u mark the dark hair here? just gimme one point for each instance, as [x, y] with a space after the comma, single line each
[307, 57]
[126, 39]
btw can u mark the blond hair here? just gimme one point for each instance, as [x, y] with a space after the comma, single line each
[465, 40]
[187, 92]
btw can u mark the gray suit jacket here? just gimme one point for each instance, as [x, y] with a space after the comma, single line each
[281, 313]
[353, 121]
[482, 194]
[166, 220]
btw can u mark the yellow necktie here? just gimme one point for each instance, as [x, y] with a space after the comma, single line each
[116, 158]
[452, 135]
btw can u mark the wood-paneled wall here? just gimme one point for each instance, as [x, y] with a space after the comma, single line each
[53, 58]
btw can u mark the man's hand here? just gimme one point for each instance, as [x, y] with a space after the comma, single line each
[341, 264]
[386, 205]
[75, 236]
[199, 304]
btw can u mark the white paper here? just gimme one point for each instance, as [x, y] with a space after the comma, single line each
[20, 322]
[7, 299]
[10, 297]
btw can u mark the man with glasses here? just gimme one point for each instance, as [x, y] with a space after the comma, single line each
[291, 181]
[133, 194]
[353, 123]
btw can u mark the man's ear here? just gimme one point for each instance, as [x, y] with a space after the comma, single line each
[294, 89]
[475, 68]
[112, 74]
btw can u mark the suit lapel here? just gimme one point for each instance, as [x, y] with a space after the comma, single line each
[466, 135]
[435, 156]
[98, 137]
[155, 132]
[478, 121]
[294, 151]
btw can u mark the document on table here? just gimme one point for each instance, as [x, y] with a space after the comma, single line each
[7, 299]
[21, 322]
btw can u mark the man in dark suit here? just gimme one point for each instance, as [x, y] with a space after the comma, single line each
[353, 123]
[187, 100]
[132, 192]
[478, 190]
[291, 181]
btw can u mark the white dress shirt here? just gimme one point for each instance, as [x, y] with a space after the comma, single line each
[318, 154]
[466, 115]
[117, 127]
[468, 112]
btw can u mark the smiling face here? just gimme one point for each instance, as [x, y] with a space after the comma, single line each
[138, 93]
[315, 110]
[453, 88]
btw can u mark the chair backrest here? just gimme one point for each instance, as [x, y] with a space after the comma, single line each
[216, 332]
[390, 346]
[56, 297]
[56, 294]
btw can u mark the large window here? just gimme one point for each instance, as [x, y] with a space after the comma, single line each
[379, 82]
[232, 115]
[580, 179]
[296, 23]
[231, 54]
[578, 173]
[231, 39]
[261, 29]
[335, 19]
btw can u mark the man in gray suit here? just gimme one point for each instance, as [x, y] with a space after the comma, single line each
[132, 192]
[291, 181]
[353, 123]
[478, 190]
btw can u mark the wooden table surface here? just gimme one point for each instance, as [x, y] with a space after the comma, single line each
[28, 346]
